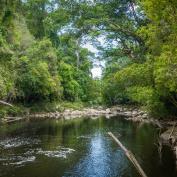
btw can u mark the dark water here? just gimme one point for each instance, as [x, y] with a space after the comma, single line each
[81, 148]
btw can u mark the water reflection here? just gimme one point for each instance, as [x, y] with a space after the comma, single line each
[80, 148]
[99, 161]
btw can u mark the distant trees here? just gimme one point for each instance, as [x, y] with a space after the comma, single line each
[41, 54]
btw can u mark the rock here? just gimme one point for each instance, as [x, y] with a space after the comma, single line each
[108, 111]
[171, 123]
[144, 116]
[57, 115]
[119, 109]
[134, 113]
[128, 113]
[165, 135]
[140, 112]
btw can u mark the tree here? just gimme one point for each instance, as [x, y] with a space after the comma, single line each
[37, 74]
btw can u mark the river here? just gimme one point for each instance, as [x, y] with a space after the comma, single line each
[81, 148]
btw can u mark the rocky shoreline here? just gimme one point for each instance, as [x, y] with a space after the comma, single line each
[129, 113]
[133, 114]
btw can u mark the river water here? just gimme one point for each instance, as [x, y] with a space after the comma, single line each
[81, 148]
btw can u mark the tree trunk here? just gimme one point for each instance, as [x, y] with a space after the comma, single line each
[5, 103]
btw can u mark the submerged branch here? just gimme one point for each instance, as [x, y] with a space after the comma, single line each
[130, 155]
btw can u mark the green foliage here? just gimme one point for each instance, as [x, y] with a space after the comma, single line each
[135, 84]
[149, 98]
[94, 92]
[5, 51]
[6, 82]
[36, 82]
[74, 69]
[116, 84]
[135, 74]
[71, 87]
[37, 73]
[12, 111]
[151, 83]
[113, 93]
[42, 59]
[166, 72]
[70, 105]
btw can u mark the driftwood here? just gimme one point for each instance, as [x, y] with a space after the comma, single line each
[12, 119]
[130, 155]
[171, 133]
[5, 103]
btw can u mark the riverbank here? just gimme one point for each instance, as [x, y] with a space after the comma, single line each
[130, 113]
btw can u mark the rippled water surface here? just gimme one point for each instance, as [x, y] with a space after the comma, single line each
[81, 148]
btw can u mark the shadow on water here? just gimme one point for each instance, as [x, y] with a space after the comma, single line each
[81, 148]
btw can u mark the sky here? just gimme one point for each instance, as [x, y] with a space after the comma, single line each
[99, 65]
[96, 70]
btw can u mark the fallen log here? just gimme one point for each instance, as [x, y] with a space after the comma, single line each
[5, 103]
[12, 119]
[129, 154]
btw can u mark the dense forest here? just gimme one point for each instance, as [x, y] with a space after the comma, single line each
[43, 59]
